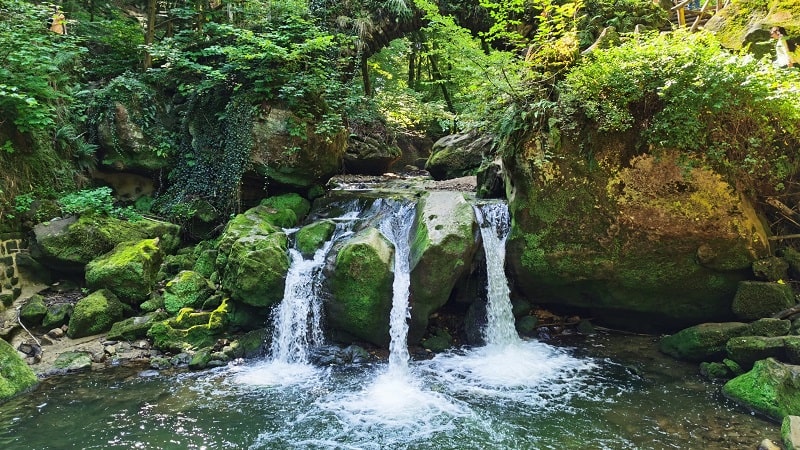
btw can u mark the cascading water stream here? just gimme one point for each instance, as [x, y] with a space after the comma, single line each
[397, 228]
[494, 221]
[297, 321]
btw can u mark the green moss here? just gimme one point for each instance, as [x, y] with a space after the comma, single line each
[33, 311]
[134, 328]
[256, 269]
[702, 342]
[311, 237]
[286, 210]
[94, 314]
[128, 271]
[187, 289]
[770, 388]
[15, 374]
[167, 338]
[361, 287]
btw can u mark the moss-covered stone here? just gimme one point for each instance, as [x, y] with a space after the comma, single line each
[205, 264]
[715, 371]
[312, 236]
[746, 350]
[188, 289]
[200, 359]
[790, 432]
[94, 314]
[129, 271]
[57, 315]
[647, 241]
[256, 270]
[440, 341]
[361, 288]
[187, 317]
[770, 388]
[134, 328]
[250, 344]
[286, 210]
[15, 375]
[771, 269]
[33, 311]
[792, 257]
[443, 245]
[167, 338]
[757, 299]
[702, 342]
[458, 155]
[73, 361]
[770, 327]
[154, 303]
[69, 244]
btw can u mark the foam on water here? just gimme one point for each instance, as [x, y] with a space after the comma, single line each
[277, 373]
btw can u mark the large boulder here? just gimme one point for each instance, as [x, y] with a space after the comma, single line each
[771, 388]
[361, 289]
[95, 314]
[458, 155]
[252, 251]
[69, 244]
[370, 155]
[287, 151]
[134, 328]
[129, 271]
[444, 242]
[15, 374]
[647, 242]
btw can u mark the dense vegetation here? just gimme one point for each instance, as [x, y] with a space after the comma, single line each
[511, 68]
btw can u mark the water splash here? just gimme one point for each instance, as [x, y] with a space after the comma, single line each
[495, 222]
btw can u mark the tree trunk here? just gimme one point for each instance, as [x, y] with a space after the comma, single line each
[152, 9]
[365, 75]
[437, 77]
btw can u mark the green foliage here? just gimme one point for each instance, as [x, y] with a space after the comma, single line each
[623, 15]
[684, 92]
[95, 201]
[114, 42]
[36, 67]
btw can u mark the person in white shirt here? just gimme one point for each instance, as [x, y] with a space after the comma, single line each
[784, 51]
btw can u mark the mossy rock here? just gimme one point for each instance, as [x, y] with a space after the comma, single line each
[200, 359]
[770, 327]
[251, 344]
[746, 350]
[715, 371]
[57, 315]
[771, 269]
[15, 374]
[33, 311]
[458, 155]
[94, 314]
[255, 273]
[790, 432]
[129, 271]
[69, 244]
[361, 288]
[167, 338]
[188, 289]
[205, 264]
[187, 317]
[702, 342]
[443, 245]
[279, 206]
[648, 242]
[73, 361]
[312, 236]
[770, 388]
[134, 328]
[758, 299]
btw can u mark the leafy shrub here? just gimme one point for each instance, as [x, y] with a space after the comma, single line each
[685, 92]
[95, 201]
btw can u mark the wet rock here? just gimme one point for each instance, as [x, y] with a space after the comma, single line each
[73, 361]
[33, 311]
[57, 315]
[746, 350]
[767, 444]
[312, 236]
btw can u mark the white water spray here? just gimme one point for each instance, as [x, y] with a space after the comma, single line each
[494, 221]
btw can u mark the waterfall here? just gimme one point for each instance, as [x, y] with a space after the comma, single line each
[297, 321]
[396, 227]
[494, 221]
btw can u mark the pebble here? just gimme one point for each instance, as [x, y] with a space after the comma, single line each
[56, 333]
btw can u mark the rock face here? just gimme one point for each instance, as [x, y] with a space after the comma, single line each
[15, 374]
[69, 244]
[631, 240]
[770, 388]
[129, 271]
[458, 155]
[282, 156]
[444, 244]
[361, 289]
[370, 155]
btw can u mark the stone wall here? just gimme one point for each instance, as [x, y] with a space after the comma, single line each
[10, 283]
